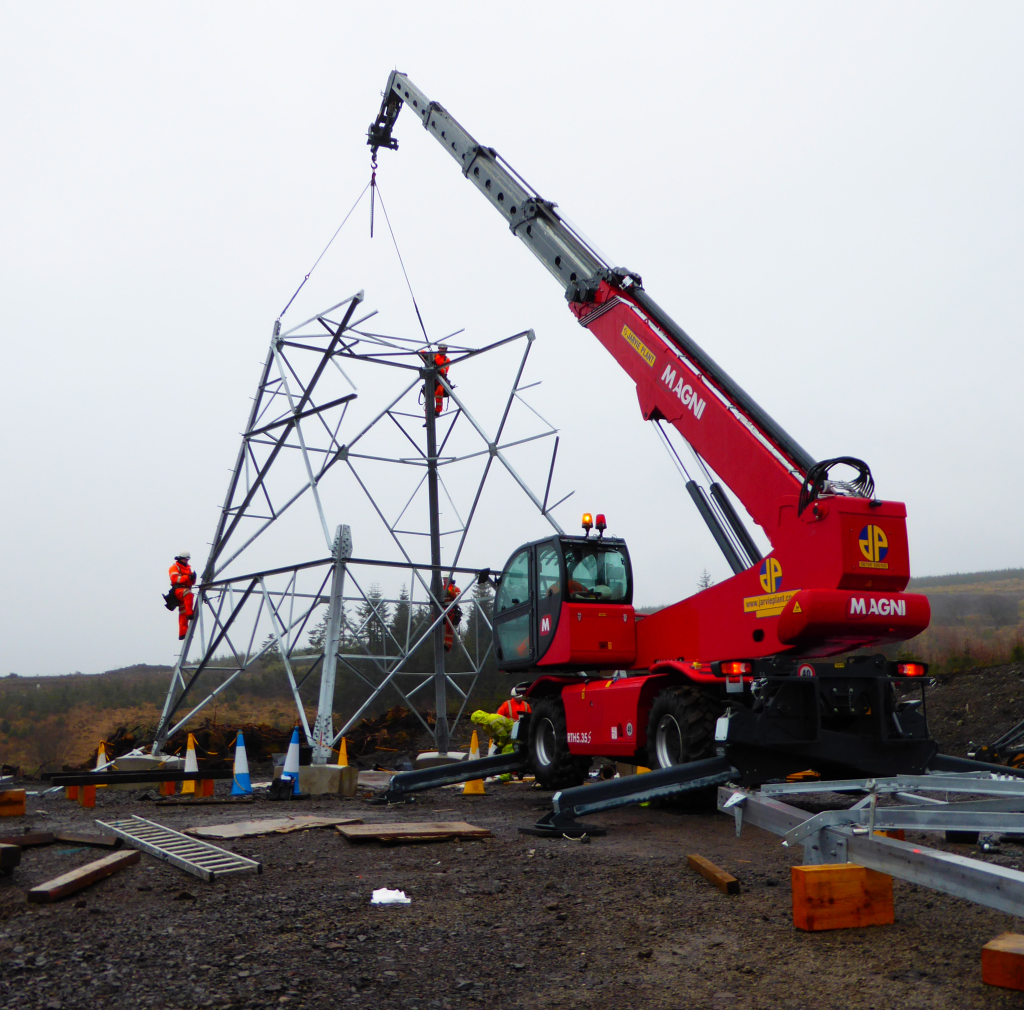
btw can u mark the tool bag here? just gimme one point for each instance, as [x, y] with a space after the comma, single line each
[170, 600]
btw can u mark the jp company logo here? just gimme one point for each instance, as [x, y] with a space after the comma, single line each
[771, 575]
[874, 545]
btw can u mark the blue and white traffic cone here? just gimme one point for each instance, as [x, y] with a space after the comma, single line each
[291, 762]
[240, 785]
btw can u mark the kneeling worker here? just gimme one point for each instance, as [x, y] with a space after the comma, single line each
[183, 578]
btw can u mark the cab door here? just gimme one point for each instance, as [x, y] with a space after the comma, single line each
[513, 613]
[549, 594]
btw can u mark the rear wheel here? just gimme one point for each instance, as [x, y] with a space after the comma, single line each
[553, 765]
[681, 728]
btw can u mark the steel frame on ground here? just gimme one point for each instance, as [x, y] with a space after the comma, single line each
[850, 835]
[295, 414]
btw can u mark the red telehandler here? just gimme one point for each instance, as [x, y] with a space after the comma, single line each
[740, 670]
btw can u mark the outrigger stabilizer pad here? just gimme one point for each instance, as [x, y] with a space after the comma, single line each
[611, 794]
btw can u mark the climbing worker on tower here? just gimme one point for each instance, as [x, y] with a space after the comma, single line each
[454, 618]
[441, 362]
[183, 578]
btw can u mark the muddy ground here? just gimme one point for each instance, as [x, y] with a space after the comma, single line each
[512, 921]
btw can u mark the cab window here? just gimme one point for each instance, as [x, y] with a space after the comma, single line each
[515, 583]
[549, 572]
[596, 572]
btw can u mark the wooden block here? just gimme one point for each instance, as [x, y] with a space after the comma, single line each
[71, 792]
[840, 896]
[12, 803]
[84, 838]
[899, 834]
[60, 887]
[166, 788]
[26, 841]
[412, 831]
[10, 856]
[206, 787]
[87, 796]
[725, 882]
[1002, 961]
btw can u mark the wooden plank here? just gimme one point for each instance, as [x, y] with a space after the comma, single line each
[10, 856]
[29, 839]
[412, 831]
[840, 896]
[269, 825]
[60, 887]
[202, 801]
[12, 803]
[725, 882]
[86, 838]
[1002, 961]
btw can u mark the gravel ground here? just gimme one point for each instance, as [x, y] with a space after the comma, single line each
[512, 921]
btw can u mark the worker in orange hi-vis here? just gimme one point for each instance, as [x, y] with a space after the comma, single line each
[515, 706]
[183, 578]
[454, 618]
[441, 361]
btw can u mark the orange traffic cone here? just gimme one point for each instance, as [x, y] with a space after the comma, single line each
[191, 765]
[474, 787]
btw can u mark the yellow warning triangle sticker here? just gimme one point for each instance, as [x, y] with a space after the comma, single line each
[796, 608]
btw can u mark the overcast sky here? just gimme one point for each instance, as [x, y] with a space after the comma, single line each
[828, 198]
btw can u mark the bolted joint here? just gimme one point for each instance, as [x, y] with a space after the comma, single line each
[492, 448]
[342, 453]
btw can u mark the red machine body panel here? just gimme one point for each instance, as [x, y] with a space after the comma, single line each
[603, 635]
[609, 717]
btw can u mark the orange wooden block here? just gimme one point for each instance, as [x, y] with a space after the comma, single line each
[166, 788]
[1002, 961]
[87, 796]
[12, 803]
[71, 792]
[840, 896]
[898, 833]
[206, 787]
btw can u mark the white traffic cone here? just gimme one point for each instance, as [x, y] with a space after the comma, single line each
[101, 758]
[191, 765]
[290, 772]
[240, 785]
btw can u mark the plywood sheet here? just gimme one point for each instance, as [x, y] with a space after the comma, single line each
[413, 831]
[269, 826]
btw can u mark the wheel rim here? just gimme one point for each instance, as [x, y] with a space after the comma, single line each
[668, 742]
[544, 743]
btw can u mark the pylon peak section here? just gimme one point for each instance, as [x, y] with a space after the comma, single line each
[352, 429]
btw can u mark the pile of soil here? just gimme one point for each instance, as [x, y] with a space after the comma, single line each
[397, 731]
[975, 707]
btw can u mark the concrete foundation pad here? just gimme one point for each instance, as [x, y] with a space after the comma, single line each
[328, 780]
[431, 759]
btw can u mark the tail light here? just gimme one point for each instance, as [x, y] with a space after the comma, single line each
[736, 669]
[911, 669]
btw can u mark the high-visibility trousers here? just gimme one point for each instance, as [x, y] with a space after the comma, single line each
[439, 395]
[185, 600]
[449, 636]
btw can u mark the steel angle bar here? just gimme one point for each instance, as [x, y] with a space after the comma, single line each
[357, 298]
[948, 817]
[984, 883]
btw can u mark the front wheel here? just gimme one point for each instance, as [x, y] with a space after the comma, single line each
[553, 765]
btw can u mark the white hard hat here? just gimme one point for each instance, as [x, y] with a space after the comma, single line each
[185, 555]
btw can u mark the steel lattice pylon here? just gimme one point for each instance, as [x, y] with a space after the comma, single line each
[303, 434]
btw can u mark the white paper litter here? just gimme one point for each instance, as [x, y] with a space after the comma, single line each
[385, 896]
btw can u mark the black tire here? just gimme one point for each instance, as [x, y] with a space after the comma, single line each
[553, 765]
[681, 728]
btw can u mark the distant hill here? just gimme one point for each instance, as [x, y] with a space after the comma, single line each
[1006, 579]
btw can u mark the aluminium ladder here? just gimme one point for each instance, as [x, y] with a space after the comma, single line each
[189, 854]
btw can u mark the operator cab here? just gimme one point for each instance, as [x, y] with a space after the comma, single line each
[565, 603]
